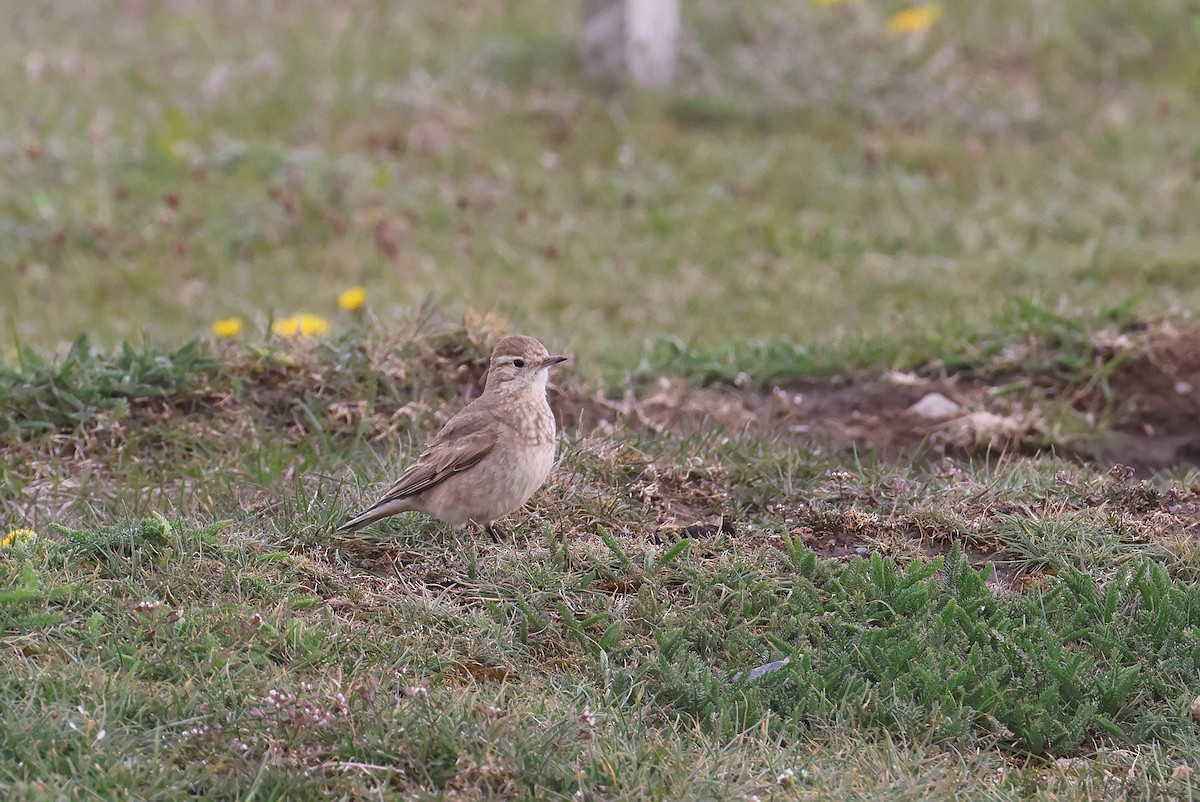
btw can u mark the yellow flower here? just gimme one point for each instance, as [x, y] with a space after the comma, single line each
[229, 327]
[15, 535]
[914, 20]
[300, 326]
[352, 299]
[312, 325]
[286, 326]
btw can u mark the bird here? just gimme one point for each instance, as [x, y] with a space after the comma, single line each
[489, 458]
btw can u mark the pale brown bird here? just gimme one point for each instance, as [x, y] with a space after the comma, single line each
[489, 458]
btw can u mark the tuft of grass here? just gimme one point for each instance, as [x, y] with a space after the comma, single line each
[40, 395]
[930, 653]
[1026, 340]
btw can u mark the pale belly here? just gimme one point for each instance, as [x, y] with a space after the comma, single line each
[499, 484]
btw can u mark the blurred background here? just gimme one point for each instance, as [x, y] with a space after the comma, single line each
[818, 171]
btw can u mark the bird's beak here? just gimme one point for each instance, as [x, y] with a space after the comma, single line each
[552, 360]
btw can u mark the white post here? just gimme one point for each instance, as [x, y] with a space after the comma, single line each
[637, 38]
[651, 32]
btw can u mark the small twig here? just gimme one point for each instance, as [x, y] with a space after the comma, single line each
[353, 764]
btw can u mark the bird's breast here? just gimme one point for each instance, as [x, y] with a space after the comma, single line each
[530, 421]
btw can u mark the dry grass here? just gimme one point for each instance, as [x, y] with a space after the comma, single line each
[974, 212]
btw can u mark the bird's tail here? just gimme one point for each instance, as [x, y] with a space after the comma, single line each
[372, 514]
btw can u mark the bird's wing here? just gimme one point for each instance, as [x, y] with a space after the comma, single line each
[463, 441]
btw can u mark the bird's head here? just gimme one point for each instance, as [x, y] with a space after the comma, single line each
[518, 362]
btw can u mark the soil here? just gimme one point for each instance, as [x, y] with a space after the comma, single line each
[1146, 416]
[1157, 395]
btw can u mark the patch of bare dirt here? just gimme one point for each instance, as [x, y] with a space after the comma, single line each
[870, 412]
[843, 518]
[1157, 403]
[1146, 414]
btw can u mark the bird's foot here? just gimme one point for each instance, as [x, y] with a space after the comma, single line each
[493, 532]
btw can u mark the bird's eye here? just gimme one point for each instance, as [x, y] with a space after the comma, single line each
[518, 363]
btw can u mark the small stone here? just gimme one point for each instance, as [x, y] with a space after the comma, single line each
[761, 671]
[902, 378]
[988, 423]
[1194, 708]
[936, 406]
[1183, 388]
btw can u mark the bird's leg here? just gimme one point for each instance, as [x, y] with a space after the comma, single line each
[491, 530]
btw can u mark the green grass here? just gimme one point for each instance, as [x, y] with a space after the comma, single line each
[198, 164]
[211, 639]
[1005, 206]
[1050, 347]
[216, 662]
[938, 658]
